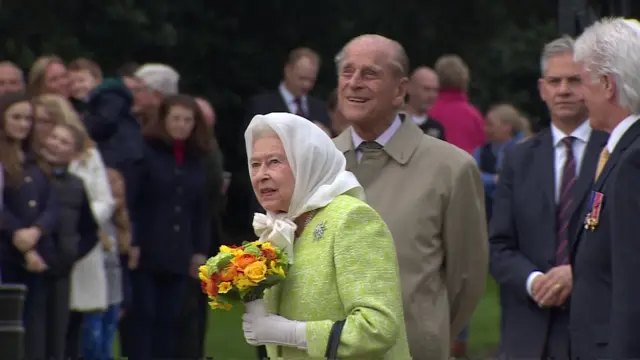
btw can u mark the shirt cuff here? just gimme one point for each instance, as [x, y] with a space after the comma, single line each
[530, 279]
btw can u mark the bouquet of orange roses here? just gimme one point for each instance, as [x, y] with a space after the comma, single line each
[242, 273]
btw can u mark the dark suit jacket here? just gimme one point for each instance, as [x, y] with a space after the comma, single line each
[605, 306]
[523, 239]
[274, 102]
[77, 231]
[32, 203]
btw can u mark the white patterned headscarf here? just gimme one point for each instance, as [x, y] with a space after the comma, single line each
[318, 167]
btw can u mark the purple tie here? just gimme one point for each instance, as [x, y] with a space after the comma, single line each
[299, 108]
[567, 181]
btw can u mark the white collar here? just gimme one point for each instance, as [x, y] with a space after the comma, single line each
[581, 133]
[289, 98]
[383, 139]
[619, 130]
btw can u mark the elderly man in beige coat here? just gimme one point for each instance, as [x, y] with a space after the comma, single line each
[427, 191]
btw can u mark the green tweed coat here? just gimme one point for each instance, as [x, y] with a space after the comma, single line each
[345, 267]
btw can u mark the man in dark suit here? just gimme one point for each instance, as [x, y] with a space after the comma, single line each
[542, 187]
[605, 304]
[300, 72]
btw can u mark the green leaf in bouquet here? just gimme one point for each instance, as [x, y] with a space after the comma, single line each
[252, 249]
[219, 261]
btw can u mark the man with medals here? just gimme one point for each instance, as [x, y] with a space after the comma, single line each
[605, 303]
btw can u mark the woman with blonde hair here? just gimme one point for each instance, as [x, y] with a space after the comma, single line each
[88, 277]
[48, 75]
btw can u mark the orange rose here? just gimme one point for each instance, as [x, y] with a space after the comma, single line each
[243, 260]
[228, 273]
[209, 287]
[269, 254]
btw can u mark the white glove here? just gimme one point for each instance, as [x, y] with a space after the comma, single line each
[274, 329]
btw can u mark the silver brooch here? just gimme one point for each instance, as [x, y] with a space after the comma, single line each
[318, 231]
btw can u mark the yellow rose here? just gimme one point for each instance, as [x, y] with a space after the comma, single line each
[256, 271]
[204, 272]
[266, 245]
[229, 250]
[242, 282]
[257, 242]
[224, 287]
[275, 269]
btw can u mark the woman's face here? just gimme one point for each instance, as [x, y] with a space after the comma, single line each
[271, 175]
[18, 120]
[60, 147]
[56, 80]
[43, 124]
[180, 122]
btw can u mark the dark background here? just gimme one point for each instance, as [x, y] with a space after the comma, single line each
[227, 50]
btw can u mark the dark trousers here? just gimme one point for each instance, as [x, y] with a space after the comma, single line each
[46, 312]
[157, 303]
[72, 350]
[192, 324]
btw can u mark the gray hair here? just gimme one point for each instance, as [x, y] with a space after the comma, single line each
[159, 77]
[612, 47]
[557, 47]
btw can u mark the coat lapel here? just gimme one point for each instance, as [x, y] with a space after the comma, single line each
[626, 140]
[544, 161]
[597, 141]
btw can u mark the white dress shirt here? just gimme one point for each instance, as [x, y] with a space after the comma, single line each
[383, 139]
[290, 100]
[420, 119]
[619, 130]
[581, 135]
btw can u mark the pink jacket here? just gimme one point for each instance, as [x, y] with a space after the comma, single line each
[463, 123]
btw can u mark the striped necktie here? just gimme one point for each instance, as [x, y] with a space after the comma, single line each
[299, 108]
[602, 161]
[565, 199]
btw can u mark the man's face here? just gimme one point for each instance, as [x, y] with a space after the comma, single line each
[562, 88]
[143, 96]
[300, 77]
[423, 89]
[368, 84]
[496, 129]
[10, 79]
[598, 95]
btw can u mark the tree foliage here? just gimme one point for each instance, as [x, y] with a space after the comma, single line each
[228, 50]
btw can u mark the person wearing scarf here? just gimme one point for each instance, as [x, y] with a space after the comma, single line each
[343, 259]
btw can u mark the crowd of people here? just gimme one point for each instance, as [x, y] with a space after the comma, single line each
[114, 190]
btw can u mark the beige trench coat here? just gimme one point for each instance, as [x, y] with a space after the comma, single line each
[431, 196]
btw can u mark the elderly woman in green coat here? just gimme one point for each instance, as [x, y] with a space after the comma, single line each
[343, 285]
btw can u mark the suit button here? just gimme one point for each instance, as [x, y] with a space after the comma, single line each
[178, 209]
[176, 228]
[27, 179]
[178, 171]
[179, 189]
[32, 203]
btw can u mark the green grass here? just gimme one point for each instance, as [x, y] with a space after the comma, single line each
[226, 342]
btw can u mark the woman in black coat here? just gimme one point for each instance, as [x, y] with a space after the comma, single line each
[29, 215]
[171, 235]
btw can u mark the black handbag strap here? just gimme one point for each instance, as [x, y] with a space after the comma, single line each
[334, 340]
